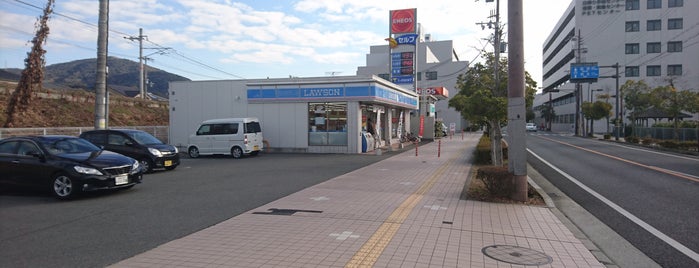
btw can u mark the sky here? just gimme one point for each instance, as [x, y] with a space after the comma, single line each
[226, 39]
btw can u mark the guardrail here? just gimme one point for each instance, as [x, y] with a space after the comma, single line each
[160, 132]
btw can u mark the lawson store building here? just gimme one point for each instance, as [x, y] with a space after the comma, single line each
[316, 114]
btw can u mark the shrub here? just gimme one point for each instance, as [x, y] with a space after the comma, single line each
[632, 139]
[607, 136]
[669, 144]
[648, 141]
[482, 153]
[497, 180]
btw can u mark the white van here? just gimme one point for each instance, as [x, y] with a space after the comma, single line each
[234, 136]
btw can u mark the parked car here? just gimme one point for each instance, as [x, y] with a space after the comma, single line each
[139, 145]
[65, 165]
[531, 127]
[234, 136]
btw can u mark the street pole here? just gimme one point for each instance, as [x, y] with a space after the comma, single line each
[516, 112]
[101, 74]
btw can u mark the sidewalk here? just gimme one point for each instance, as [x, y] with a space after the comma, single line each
[404, 211]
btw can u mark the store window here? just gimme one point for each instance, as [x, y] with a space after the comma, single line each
[327, 123]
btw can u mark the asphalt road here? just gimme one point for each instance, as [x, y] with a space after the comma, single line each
[103, 228]
[655, 189]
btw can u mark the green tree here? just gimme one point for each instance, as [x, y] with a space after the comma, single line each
[673, 102]
[595, 111]
[548, 114]
[636, 98]
[482, 102]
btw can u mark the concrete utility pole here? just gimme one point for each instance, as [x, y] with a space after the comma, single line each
[140, 59]
[516, 111]
[101, 80]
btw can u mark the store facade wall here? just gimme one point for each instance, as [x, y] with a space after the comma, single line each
[317, 115]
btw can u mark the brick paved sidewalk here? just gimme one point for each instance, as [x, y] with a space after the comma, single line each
[404, 211]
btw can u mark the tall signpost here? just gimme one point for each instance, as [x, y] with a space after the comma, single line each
[403, 46]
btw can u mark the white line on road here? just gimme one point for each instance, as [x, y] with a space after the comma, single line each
[677, 245]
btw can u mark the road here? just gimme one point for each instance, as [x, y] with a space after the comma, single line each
[650, 198]
[103, 228]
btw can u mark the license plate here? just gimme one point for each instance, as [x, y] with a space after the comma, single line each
[168, 163]
[119, 180]
[256, 148]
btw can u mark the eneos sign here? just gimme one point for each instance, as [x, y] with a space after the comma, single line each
[403, 21]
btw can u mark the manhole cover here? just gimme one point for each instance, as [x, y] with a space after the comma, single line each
[516, 255]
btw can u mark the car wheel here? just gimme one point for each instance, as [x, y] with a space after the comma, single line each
[193, 152]
[146, 165]
[63, 187]
[236, 152]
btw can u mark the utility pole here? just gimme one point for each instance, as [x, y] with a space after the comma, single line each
[578, 86]
[516, 111]
[101, 80]
[140, 59]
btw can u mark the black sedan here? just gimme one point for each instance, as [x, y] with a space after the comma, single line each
[65, 165]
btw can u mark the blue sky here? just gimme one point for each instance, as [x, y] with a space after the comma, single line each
[220, 39]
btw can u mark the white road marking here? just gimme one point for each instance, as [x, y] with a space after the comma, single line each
[657, 233]
[320, 198]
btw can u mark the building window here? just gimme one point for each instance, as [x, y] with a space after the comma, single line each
[655, 4]
[674, 69]
[674, 46]
[632, 71]
[431, 75]
[633, 26]
[653, 47]
[674, 24]
[675, 3]
[653, 70]
[632, 48]
[653, 25]
[633, 4]
[327, 124]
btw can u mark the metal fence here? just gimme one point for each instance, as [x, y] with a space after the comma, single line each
[662, 133]
[160, 132]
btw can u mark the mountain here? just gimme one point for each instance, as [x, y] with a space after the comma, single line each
[81, 74]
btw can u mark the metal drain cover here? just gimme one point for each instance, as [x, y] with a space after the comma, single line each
[516, 255]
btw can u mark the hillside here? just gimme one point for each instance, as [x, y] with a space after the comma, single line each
[80, 74]
[75, 108]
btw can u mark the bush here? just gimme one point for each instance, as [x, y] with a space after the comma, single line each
[497, 180]
[648, 141]
[669, 144]
[607, 136]
[632, 139]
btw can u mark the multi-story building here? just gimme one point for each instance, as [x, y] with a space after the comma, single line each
[656, 41]
[437, 66]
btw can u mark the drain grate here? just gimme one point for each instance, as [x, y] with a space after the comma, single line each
[516, 255]
[285, 212]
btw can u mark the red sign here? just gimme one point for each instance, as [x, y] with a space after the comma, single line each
[422, 126]
[403, 21]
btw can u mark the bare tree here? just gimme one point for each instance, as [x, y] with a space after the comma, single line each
[33, 73]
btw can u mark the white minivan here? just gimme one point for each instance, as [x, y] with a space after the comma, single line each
[234, 136]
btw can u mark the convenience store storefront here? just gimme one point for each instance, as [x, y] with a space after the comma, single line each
[331, 115]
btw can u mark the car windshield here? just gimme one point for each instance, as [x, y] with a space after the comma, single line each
[69, 146]
[144, 138]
